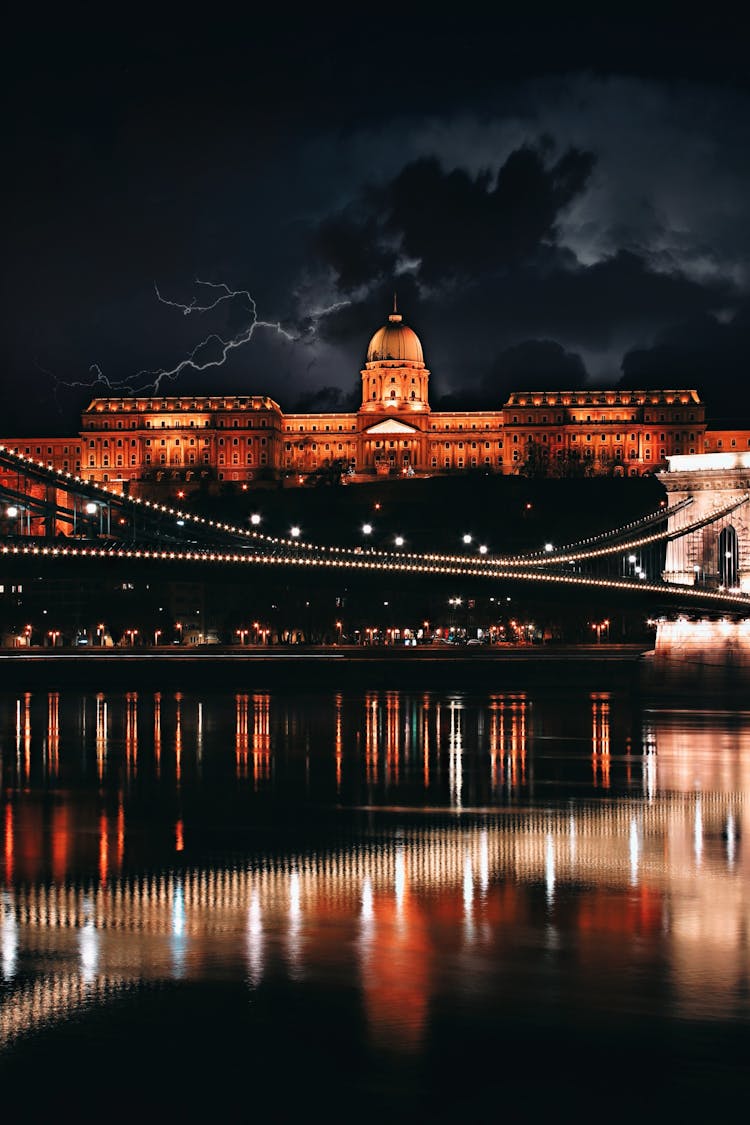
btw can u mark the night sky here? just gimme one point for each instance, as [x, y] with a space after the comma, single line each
[557, 201]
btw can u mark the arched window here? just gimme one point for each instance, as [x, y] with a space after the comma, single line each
[728, 557]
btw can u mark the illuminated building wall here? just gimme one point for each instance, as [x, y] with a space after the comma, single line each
[394, 431]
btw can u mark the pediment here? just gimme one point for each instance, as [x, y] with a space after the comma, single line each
[391, 426]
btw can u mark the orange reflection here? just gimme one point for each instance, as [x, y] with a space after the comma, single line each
[426, 741]
[600, 756]
[179, 841]
[27, 733]
[392, 735]
[103, 850]
[241, 736]
[120, 833]
[53, 731]
[101, 735]
[131, 732]
[178, 737]
[61, 841]
[397, 959]
[497, 740]
[518, 736]
[157, 732]
[261, 737]
[372, 723]
[338, 751]
[8, 839]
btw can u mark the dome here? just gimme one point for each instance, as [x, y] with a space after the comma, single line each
[395, 341]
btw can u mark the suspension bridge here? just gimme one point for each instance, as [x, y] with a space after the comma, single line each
[691, 555]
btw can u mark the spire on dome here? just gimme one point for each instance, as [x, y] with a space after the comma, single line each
[395, 316]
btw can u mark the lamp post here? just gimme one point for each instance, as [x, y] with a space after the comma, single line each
[600, 627]
[14, 511]
[132, 633]
[53, 635]
[338, 632]
[100, 634]
[157, 634]
[242, 633]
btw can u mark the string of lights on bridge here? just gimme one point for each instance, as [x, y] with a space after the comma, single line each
[493, 567]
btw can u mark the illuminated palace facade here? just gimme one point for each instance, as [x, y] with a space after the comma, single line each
[245, 438]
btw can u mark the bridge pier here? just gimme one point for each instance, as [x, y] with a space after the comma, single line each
[700, 658]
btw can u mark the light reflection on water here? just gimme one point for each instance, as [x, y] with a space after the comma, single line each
[507, 855]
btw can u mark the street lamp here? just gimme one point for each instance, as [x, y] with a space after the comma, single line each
[600, 627]
[242, 633]
[295, 532]
[178, 627]
[338, 631]
[132, 633]
[467, 538]
[157, 634]
[100, 633]
[483, 550]
[367, 529]
[255, 519]
[13, 511]
[53, 635]
[399, 540]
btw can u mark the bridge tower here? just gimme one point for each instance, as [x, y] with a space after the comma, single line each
[706, 654]
[717, 554]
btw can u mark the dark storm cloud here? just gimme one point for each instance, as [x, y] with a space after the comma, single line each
[312, 166]
[457, 225]
[487, 248]
[709, 353]
[452, 224]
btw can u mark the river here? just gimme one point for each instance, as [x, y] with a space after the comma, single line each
[372, 905]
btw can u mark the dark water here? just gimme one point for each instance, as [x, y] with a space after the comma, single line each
[372, 906]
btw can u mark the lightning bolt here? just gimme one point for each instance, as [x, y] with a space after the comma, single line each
[210, 352]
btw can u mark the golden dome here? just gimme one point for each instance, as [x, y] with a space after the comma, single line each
[395, 341]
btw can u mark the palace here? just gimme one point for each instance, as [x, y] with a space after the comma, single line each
[139, 441]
